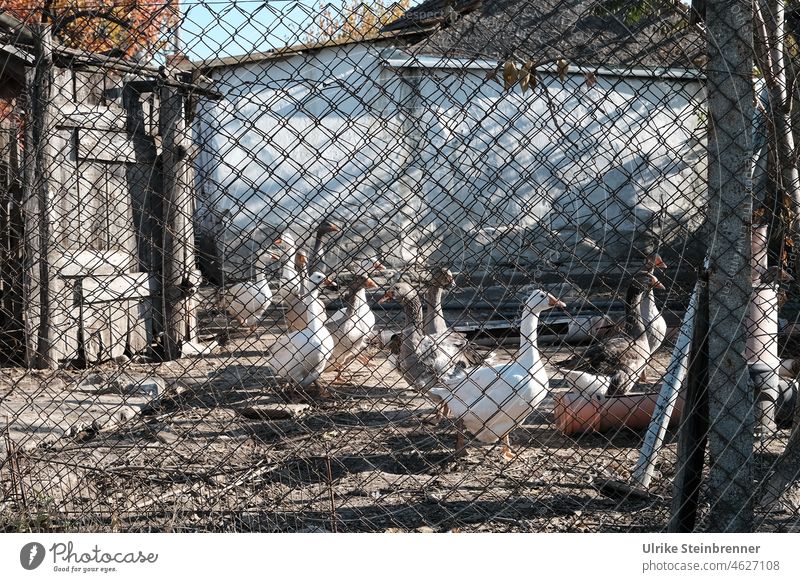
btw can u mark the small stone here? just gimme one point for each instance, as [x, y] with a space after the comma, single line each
[166, 437]
[273, 411]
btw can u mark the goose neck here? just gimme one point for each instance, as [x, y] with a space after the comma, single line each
[314, 311]
[413, 311]
[355, 300]
[528, 348]
[633, 313]
[434, 315]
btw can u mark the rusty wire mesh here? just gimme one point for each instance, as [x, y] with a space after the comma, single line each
[183, 184]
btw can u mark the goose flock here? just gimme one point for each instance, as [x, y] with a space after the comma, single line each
[484, 399]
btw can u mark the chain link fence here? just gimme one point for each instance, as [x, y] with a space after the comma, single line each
[441, 266]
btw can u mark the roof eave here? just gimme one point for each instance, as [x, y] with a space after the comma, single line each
[293, 50]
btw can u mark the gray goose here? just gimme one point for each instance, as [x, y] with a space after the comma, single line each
[621, 358]
[441, 279]
[424, 359]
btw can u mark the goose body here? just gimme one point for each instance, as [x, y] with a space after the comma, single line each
[421, 358]
[364, 313]
[301, 356]
[654, 322]
[350, 332]
[297, 315]
[622, 357]
[247, 300]
[588, 384]
[490, 401]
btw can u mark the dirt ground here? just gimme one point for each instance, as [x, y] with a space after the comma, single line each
[226, 447]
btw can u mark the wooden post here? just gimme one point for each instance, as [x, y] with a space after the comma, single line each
[178, 270]
[39, 251]
[668, 396]
[693, 432]
[730, 144]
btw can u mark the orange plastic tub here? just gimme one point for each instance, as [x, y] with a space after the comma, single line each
[574, 413]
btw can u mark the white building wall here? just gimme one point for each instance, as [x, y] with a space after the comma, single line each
[424, 163]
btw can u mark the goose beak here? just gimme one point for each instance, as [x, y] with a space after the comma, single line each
[329, 283]
[370, 284]
[302, 259]
[657, 262]
[278, 241]
[275, 256]
[378, 266]
[656, 283]
[388, 296]
[553, 302]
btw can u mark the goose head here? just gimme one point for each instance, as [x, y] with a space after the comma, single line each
[300, 260]
[287, 241]
[653, 261]
[327, 226]
[361, 282]
[402, 292]
[643, 281]
[369, 266]
[442, 277]
[317, 279]
[541, 300]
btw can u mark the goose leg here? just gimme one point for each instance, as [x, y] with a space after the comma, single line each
[506, 451]
[461, 445]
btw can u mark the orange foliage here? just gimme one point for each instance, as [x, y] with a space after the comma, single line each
[357, 20]
[123, 26]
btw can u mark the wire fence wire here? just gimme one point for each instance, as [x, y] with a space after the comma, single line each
[272, 266]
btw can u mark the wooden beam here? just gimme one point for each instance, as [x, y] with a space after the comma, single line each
[38, 185]
[177, 242]
[104, 288]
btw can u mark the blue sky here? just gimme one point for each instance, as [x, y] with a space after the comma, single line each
[215, 28]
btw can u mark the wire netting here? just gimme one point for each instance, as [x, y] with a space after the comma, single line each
[450, 265]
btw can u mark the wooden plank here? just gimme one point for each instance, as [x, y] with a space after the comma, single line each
[100, 117]
[103, 288]
[140, 325]
[118, 328]
[93, 322]
[122, 233]
[93, 221]
[83, 263]
[108, 146]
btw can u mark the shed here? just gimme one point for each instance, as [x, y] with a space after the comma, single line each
[96, 260]
[408, 142]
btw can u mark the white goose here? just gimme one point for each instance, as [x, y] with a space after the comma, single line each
[364, 313]
[489, 402]
[301, 356]
[350, 333]
[247, 300]
[654, 322]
